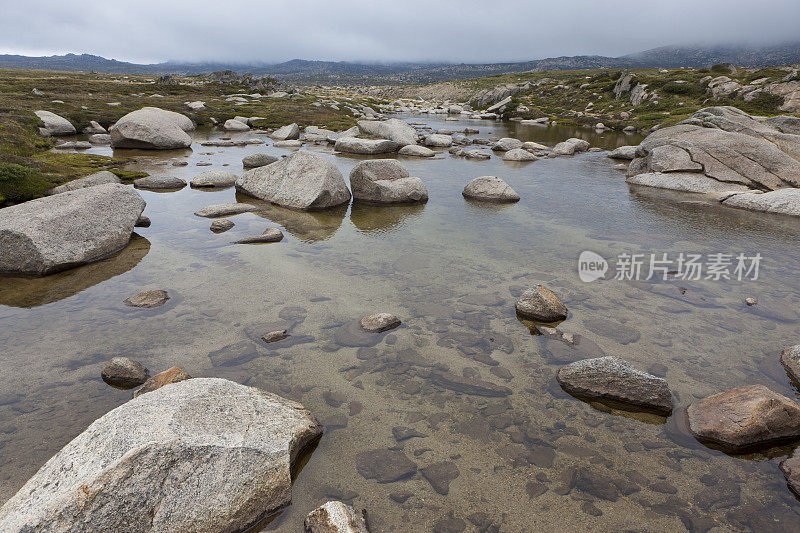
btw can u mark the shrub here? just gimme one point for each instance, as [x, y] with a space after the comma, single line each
[762, 104]
[19, 183]
[683, 89]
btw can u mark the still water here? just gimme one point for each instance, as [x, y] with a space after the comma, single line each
[528, 459]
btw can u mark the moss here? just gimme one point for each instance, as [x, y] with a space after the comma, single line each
[20, 183]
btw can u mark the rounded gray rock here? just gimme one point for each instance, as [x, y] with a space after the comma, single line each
[490, 189]
[124, 373]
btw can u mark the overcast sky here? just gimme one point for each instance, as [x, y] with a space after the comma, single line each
[381, 30]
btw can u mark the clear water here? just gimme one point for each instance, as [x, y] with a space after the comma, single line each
[450, 269]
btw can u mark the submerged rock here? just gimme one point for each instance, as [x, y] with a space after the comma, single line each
[302, 180]
[541, 304]
[385, 181]
[148, 299]
[171, 375]
[336, 517]
[385, 465]
[69, 229]
[214, 179]
[124, 373]
[490, 189]
[54, 125]
[782, 201]
[468, 385]
[98, 178]
[221, 225]
[158, 183]
[790, 359]
[686, 182]
[269, 235]
[440, 475]
[380, 322]
[744, 418]
[791, 471]
[152, 128]
[201, 455]
[610, 378]
[224, 210]
[275, 336]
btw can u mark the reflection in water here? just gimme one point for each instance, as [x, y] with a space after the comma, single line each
[380, 219]
[308, 226]
[17, 291]
[550, 135]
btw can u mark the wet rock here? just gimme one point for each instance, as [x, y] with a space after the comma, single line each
[143, 222]
[414, 150]
[610, 378]
[100, 138]
[171, 375]
[440, 475]
[466, 385]
[400, 496]
[791, 470]
[221, 225]
[214, 179]
[336, 517]
[355, 145]
[124, 373]
[621, 333]
[541, 304]
[234, 354]
[477, 154]
[402, 433]
[258, 160]
[722, 496]
[490, 189]
[520, 155]
[379, 322]
[54, 125]
[783, 201]
[201, 455]
[686, 182]
[535, 489]
[385, 181]
[790, 359]
[157, 183]
[65, 230]
[385, 465]
[275, 336]
[351, 334]
[749, 301]
[744, 418]
[98, 178]
[334, 399]
[303, 180]
[596, 484]
[449, 524]
[269, 235]
[152, 128]
[148, 299]
[225, 210]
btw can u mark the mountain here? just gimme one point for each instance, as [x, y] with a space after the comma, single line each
[299, 71]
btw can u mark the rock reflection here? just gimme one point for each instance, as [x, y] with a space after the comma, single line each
[373, 219]
[308, 226]
[18, 291]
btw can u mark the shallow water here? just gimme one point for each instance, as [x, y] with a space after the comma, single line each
[451, 270]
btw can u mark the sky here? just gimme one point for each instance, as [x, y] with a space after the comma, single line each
[472, 31]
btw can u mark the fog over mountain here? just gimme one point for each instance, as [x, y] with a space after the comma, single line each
[366, 31]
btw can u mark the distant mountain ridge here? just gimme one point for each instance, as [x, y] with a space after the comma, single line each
[301, 71]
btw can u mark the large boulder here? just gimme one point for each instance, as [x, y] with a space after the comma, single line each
[569, 147]
[686, 182]
[152, 128]
[744, 418]
[438, 140]
[199, 455]
[68, 229]
[286, 133]
[519, 154]
[726, 145]
[623, 152]
[54, 125]
[393, 129]
[355, 145]
[507, 143]
[385, 181]
[610, 378]
[302, 180]
[490, 189]
[235, 125]
[782, 201]
[98, 178]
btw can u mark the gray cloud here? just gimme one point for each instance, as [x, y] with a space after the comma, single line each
[371, 30]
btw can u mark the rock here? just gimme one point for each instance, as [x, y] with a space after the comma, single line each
[401, 433]
[258, 160]
[98, 178]
[221, 225]
[782, 201]
[201, 455]
[288, 144]
[196, 105]
[214, 179]
[157, 183]
[148, 299]
[454, 110]
[379, 322]
[65, 230]
[414, 150]
[384, 465]
[143, 222]
[506, 143]
[393, 129]
[490, 189]
[468, 385]
[225, 210]
[385, 181]
[791, 471]
[519, 154]
[623, 152]
[624, 84]
[569, 147]
[686, 182]
[790, 359]
[354, 145]
[722, 86]
[336, 517]
[235, 125]
[302, 180]
[439, 141]
[275, 336]
[476, 154]
[286, 133]
[54, 125]
[440, 475]
[269, 235]
[750, 301]
[744, 418]
[541, 304]
[100, 138]
[151, 128]
[610, 378]
[171, 375]
[94, 127]
[124, 373]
